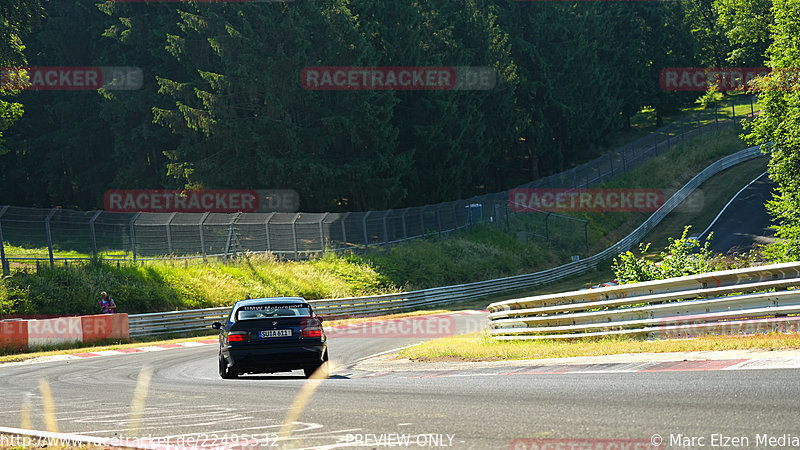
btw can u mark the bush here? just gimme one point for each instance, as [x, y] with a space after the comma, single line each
[682, 257]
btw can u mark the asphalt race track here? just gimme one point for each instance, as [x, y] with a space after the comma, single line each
[745, 222]
[188, 400]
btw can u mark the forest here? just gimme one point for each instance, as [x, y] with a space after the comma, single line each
[221, 104]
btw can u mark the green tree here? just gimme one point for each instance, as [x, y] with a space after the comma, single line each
[746, 26]
[58, 152]
[778, 128]
[244, 120]
[17, 19]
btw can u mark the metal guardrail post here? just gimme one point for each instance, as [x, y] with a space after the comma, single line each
[202, 235]
[3, 262]
[169, 233]
[49, 236]
[322, 233]
[91, 230]
[132, 228]
[364, 225]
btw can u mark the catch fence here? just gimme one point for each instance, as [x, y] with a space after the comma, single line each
[63, 235]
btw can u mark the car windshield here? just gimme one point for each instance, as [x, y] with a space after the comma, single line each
[269, 311]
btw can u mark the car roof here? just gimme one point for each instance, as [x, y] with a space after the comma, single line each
[270, 301]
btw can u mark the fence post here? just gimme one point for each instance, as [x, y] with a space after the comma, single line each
[611, 163]
[266, 229]
[91, 229]
[733, 111]
[322, 233]
[752, 111]
[49, 236]
[228, 244]
[343, 219]
[439, 218]
[547, 227]
[202, 236]
[3, 262]
[403, 219]
[294, 235]
[133, 235]
[386, 227]
[624, 163]
[586, 235]
[169, 233]
[364, 225]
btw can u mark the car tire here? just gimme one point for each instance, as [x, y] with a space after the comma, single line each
[226, 372]
[322, 367]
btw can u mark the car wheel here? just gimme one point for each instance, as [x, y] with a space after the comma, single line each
[224, 371]
[322, 367]
[322, 370]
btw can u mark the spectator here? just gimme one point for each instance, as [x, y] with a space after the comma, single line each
[107, 304]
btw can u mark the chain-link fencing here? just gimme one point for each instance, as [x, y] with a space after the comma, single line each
[32, 235]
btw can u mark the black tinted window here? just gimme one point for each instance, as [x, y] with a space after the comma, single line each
[270, 311]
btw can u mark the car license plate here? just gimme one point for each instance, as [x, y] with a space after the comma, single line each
[275, 333]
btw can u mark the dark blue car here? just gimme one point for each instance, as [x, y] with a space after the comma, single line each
[268, 335]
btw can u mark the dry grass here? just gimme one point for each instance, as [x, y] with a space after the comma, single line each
[481, 347]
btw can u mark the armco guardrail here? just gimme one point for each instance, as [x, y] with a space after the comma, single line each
[741, 301]
[179, 321]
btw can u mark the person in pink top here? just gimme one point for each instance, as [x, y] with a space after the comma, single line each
[107, 304]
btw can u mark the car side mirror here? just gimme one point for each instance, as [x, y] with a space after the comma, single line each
[216, 325]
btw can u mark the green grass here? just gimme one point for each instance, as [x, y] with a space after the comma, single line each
[158, 286]
[482, 253]
[480, 347]
[644, 122]
[670, 170]
[700, 210]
